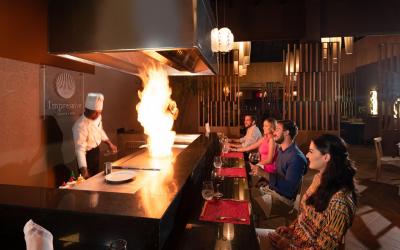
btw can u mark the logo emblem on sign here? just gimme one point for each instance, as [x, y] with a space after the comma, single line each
[65, 85]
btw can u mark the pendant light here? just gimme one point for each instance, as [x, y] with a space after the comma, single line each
[222, 40]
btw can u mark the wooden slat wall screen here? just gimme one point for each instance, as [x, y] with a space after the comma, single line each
[312, 86]
[272, 99]
[389, 87]
[215, 106]
[348, 95]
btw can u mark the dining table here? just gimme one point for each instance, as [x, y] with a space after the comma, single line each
[225, 230]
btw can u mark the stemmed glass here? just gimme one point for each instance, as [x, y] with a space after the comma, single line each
[254, 158]
[225, 148]
[217, 162]
[216, 176]
[208, 190]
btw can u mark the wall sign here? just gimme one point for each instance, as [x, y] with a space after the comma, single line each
[62, 91]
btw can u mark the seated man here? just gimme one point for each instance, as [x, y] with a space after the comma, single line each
[279, 196]
[253, 134]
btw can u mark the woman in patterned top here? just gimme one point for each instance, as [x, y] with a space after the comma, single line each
[328, 207]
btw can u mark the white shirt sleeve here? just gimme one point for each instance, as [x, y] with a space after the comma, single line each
[104, 136]
[253, 134]
[80, 135]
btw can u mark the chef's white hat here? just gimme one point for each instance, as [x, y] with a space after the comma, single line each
[94, 101]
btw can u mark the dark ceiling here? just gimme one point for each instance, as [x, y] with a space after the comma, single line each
[268, 51]
[270, 24]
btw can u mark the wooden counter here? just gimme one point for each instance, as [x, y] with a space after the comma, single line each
[90, 219]
[210, 235]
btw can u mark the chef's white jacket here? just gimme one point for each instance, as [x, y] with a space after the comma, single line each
[88, 134]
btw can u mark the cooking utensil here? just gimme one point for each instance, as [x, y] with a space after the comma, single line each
[135, 168]
[230, 218]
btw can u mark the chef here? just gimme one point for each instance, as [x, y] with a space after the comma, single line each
[89, 134]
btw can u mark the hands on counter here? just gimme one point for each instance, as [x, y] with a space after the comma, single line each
[111, 147]
[84, 172]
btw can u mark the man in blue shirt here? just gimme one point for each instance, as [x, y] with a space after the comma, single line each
[291, 163]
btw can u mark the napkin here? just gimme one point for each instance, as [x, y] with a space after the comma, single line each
[233, 155]
[232, 172]
[37, 237]
[233, 211]
[262, 235]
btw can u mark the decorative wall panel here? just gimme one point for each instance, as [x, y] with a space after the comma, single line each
[218, 96]
[312, 85]
[389, 87]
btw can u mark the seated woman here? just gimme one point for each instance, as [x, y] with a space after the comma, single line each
[267, 148]
[328, 207]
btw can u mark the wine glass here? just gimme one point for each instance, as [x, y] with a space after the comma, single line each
[208, 190]
[118, 244]
[217, 162]
[225, 148]
[254, 157]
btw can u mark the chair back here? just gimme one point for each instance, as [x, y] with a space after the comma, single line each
[378, 148]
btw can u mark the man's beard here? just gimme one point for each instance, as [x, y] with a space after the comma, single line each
[280, 139]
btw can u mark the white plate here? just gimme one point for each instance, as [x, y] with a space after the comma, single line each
[121, 176]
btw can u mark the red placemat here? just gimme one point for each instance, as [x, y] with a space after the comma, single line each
[227, 211]
[233, 155]
[232, 172]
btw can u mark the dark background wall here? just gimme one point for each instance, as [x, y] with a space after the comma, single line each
[23, 25]
[307, 19]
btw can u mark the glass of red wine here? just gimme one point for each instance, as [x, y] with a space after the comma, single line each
[254, 157]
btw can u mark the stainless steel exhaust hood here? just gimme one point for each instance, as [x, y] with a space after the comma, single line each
[128, 34]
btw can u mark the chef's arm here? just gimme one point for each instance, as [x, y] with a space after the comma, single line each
[106, 140]
[81, 158]
[80, 144]
[111, 146]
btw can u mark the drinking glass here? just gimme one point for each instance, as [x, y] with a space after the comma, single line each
[118, 244]
[208, 190]
[254, 157]
[107, 168]
[218, 179]
[225, 148]
[217, 162]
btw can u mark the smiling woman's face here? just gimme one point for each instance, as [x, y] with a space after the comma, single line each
[268, 128]
[318, 161]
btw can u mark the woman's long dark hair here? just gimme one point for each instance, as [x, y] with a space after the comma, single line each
[338, 175]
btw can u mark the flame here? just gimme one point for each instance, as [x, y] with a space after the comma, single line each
[156, 111]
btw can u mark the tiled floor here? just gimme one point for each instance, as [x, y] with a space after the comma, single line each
[377, 223]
